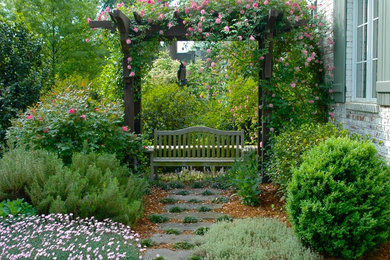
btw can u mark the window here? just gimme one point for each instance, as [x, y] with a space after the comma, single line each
[365, 51]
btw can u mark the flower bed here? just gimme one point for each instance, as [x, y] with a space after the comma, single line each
[58, 236]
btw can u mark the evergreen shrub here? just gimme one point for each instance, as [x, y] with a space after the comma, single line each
[338, 199]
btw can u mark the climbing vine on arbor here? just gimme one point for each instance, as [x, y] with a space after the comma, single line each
[295, 95]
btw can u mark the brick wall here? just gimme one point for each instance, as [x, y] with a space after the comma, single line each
[361, 118]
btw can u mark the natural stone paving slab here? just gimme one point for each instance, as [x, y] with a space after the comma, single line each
[191, 206]
[171, 239]
[184, 226]
[196, 197]
[196, 191]
[199, 215]
[167, 254]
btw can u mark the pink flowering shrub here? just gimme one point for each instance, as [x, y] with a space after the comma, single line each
[64, 236]
[73, 121]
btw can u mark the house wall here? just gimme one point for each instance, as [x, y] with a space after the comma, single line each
[361, 118]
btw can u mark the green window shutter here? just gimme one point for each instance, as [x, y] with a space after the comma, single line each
[340, 24]
[383, 79]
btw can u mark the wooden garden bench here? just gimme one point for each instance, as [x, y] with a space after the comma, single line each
[196, 146]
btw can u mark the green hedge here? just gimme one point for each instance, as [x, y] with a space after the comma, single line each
[338, 200]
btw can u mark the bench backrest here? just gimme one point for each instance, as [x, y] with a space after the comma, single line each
[198, 142]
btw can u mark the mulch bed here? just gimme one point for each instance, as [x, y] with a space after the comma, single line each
[271, 206]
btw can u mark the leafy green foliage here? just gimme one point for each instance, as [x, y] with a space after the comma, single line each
[16, 207]
[19, 168]
[168, 200]
[20, 71]
[147, 242]
[183, 245]
[177, 209]
[168, 107]
[201, 231]
[220, 200]
[204, 209]
[236, 240]
[225, 218]
[94, 185]
[172, 231]
[245, 179]
[338, 199]
[74, 121]
[194, 201]
[207, 193]
[190, 219]
[65, 33]
[288, 147]
[183, 192]
[156, 218]
[198, 185]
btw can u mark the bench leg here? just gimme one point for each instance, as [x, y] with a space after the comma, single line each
[152, 170]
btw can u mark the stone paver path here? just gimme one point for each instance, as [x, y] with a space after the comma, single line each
[195, 200]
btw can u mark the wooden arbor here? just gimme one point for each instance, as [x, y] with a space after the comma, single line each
[132, 85]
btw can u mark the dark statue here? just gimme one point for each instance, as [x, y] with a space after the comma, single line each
[181, 75]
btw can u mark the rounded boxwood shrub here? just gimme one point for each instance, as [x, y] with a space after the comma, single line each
[288, 148]
[258, 238]
[338, 199]
[74, 121]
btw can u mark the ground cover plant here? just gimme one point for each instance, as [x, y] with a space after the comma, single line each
[190, 219]
[177, 209]
[338, 199]
[16, 208]
[156, 218]
[183, 245]
[204, 209]
[289, 146]
[258, 238]
[168, 200]
[74, 238]
[173, 231]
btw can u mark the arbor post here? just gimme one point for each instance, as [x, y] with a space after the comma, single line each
[265, 74]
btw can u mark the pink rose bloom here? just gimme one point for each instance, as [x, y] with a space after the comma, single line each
[238, 2]
[227, 29]
[252, 38]
[242, 12]
[202, 11]
[46, 130]
[29, 117]
[208, 50]
[83, 117]
[261, 57]
[71, 111]
[142, 13]
[208, 59]
[271, 105]
[128, 41]
[311, 101]
[132, 74]
[240, 37]
[293, 85]
[207, 34]
[170, 25]
[266, 2]
[135, 29]
[218, 21]
[255, 5]
[89, 20]
[162, 16]
[129, 59]
[87, 40]
[124, 128]
[272, 129]
[213, 64]
[129, 67]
